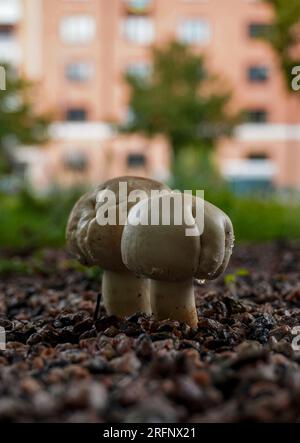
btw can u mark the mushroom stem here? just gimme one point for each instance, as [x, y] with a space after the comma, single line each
[174, 300]
[124, 294]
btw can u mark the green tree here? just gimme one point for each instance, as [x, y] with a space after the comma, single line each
[19, 124]
[285, 34]
[179, 99]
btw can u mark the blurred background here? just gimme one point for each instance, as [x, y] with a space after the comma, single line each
[197, 93]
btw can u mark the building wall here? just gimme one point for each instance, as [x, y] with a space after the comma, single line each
[225, 42]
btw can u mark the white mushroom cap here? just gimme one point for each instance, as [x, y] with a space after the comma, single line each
[93, 244]
[166, 253]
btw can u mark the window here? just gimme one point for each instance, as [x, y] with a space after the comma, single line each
[138, 6]
[202, 72]
[2, 79]
[257, 156]
[79, 71]
[77, 29]
[136, 160]
[75, 161]
[76, 115]
[129, 116]
[139, 69]
[21, 169]
[257, 116]
[6, 32]
[259, 30]
[195, 31]
[139, 30]
[10, 11]
[258, 74]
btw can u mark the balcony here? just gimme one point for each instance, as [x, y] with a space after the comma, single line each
[80, 131]
[248, 176]
[10, 12]
[138, 7]
[250, 169]
[250, 132]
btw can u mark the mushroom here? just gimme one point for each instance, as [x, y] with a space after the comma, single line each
[171, 258]
[94, 243]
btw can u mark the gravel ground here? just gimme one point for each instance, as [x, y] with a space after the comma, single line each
[238, 366]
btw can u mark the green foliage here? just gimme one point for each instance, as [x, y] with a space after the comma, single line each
[14, 266]
[29, 222]
[18, 121]
[241, 272]
[92, 272]
[36, 264]
[231, 279]
[257, 219]
[285, 35]
[179, 100]
[194, 162]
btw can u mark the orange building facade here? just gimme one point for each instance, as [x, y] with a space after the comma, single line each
[79, 50]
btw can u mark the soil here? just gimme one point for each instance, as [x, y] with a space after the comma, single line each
[240, 365]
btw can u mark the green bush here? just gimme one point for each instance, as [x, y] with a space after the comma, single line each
[30, 223]
[258, 219]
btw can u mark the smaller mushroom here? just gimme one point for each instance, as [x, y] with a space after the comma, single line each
[171, 258]
[96, 244]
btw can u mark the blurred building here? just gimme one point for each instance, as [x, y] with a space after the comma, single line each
[79, 50]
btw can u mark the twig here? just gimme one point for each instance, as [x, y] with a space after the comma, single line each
[96, 313]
